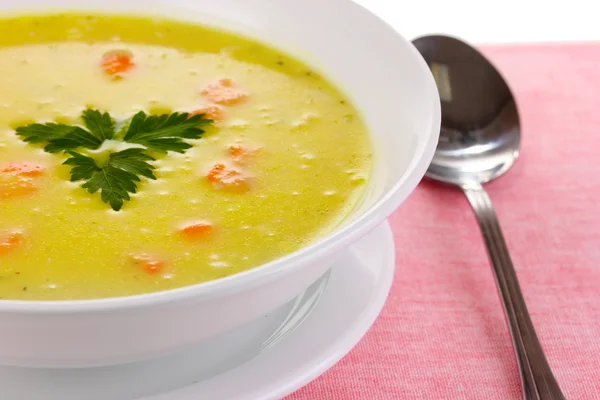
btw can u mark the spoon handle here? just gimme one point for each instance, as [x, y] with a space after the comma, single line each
[536, 376]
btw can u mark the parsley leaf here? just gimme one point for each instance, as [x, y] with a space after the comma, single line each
[163, 133]
[134, 161]
[59, 137]
[77, 137]
[84, 167]
[116, 179]
[40, 133]
[100, 125]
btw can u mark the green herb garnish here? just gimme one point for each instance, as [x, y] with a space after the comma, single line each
[100, 125]
[162, 133]
[117, 176]
[116, 179]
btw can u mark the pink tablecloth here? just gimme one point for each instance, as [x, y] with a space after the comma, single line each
[442, 334]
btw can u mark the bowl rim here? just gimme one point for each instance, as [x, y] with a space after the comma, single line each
[262, 274]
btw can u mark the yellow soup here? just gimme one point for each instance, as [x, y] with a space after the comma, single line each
[237, 155]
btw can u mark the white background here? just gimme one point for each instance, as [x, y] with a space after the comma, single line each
[493, 21]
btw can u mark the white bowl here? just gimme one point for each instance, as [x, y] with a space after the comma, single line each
[379, 71]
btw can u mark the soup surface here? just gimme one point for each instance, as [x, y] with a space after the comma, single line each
[283, 158]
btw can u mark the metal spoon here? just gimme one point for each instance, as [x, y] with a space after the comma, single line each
[479, 141]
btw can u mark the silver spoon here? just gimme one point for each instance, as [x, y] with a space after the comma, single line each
[479, 141]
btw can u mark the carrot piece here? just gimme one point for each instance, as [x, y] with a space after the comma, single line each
[241, 154]
[213, 112]
[197, 230]
[16, 179]
[23, 168]
[10, 241]
[153, 266]
[117, 62]
[223, 177]
[225, 93]
[16, 186]
[148, 263]
[236, 151]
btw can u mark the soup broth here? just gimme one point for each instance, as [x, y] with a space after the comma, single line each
[284, 160]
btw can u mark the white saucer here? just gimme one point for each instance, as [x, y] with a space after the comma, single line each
[303, 340]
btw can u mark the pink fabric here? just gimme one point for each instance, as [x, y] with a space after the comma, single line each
[442, 334]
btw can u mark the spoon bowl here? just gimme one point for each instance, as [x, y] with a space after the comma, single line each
[480, 135]
[479, 140]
